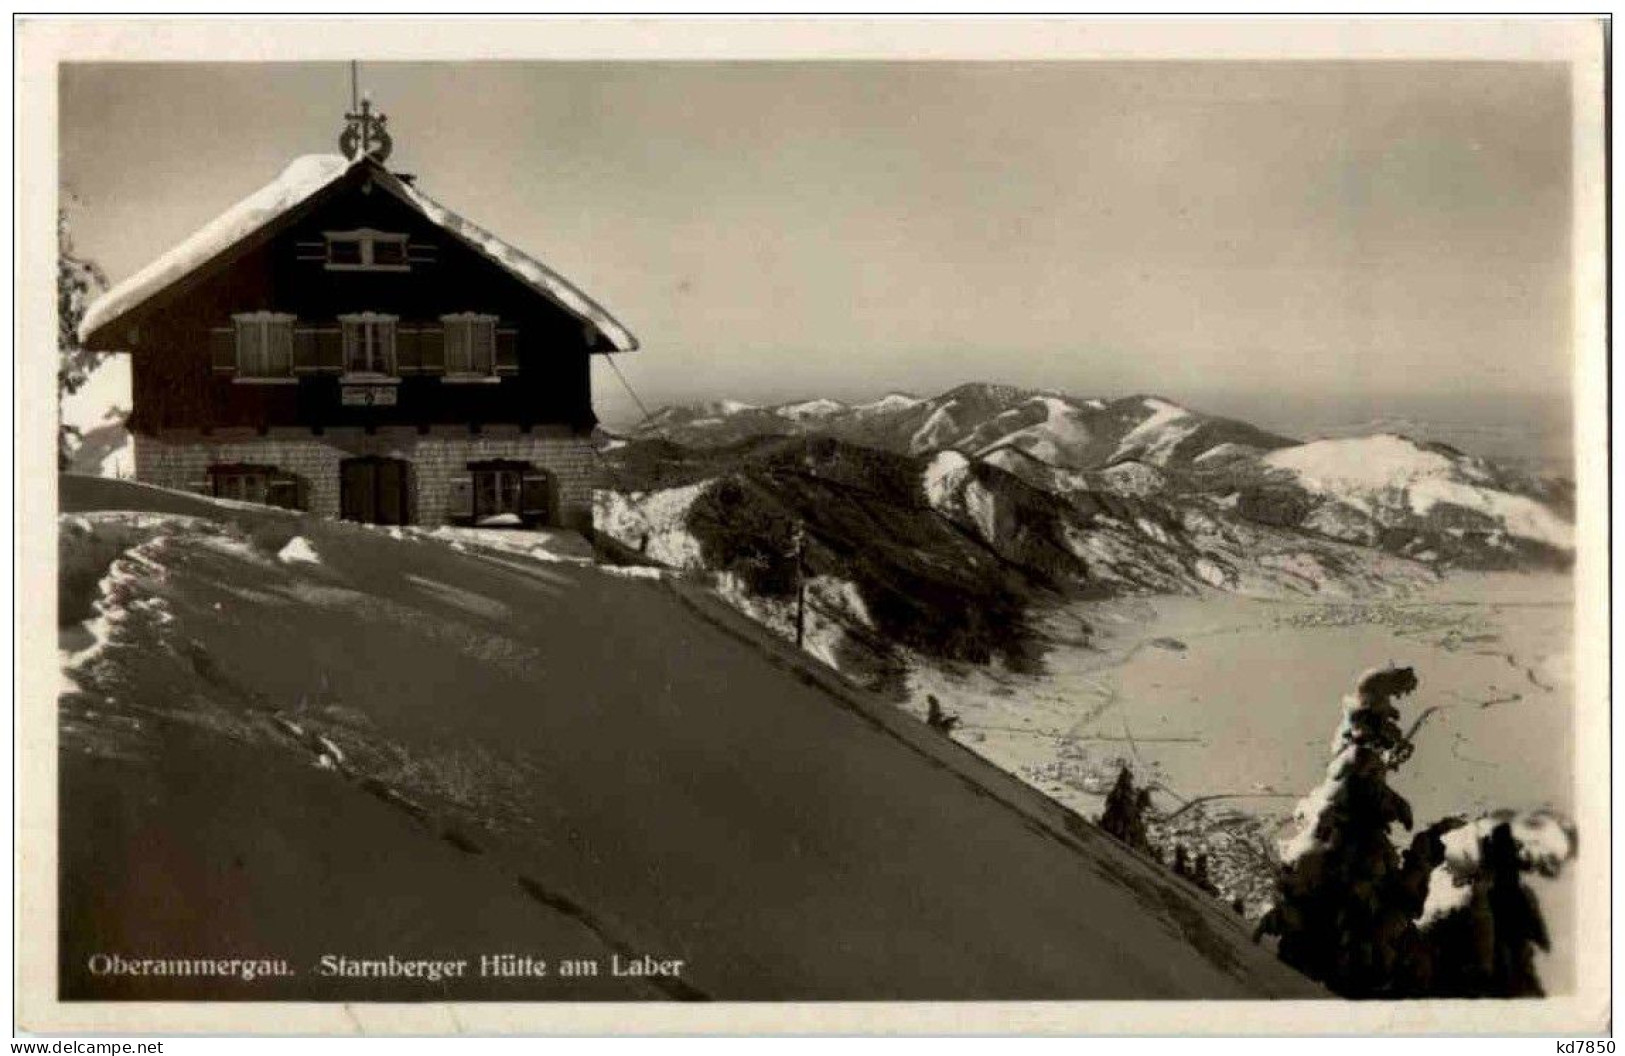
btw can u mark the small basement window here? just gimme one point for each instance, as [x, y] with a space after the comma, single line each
[366, 250]
[369, 343]
[471, 344]
[264, 344]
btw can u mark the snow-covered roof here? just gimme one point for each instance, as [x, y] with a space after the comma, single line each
[532, 271]
[301, 180]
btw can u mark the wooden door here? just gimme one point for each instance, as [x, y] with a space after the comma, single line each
[373, 490]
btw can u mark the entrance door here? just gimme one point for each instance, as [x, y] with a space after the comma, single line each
[373, 490]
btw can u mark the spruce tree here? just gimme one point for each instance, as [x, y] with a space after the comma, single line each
[1483, 942]
[1119, 805]
[1339, 911]
[1451, 917]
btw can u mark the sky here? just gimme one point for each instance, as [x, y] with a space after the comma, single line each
[1294, 243]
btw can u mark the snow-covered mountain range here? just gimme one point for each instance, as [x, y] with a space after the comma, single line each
[1417, 499]
[941, 530]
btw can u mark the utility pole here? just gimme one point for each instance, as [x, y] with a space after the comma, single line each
[798, 539]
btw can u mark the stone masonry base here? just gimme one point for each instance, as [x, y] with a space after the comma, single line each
[181, 460]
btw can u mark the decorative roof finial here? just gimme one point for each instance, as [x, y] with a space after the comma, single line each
[364, 131]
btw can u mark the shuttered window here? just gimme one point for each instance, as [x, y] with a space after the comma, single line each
[369, 343]
[264, 343]
[496, 497]
[470, 344]
[266, 485]
[366, 250]
[502, 494]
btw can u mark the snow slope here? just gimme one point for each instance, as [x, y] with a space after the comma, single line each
[812, 410]
[1154, 438]
[1394, 479]
[652, 523]
[635, 758]
[1115, 532]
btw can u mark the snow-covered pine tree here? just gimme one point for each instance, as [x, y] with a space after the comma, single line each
[1482, 923]
[1340, 911]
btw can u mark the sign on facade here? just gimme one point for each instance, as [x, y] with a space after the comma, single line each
[367, 396]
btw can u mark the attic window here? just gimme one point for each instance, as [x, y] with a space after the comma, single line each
[366, 250]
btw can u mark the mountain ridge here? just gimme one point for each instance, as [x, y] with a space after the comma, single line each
[1414, 497]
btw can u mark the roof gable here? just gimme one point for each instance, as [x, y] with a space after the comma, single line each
[299, 186]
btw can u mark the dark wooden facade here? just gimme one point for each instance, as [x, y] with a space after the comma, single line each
[182, 379]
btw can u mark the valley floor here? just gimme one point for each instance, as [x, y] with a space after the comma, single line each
[1238, 697]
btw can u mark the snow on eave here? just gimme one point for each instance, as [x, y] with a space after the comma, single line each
[299, 182]
[516, 262]
[303, 178]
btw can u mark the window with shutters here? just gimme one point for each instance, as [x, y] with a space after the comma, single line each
[369, 344]
[499, 494]
[266, 485]
[471, 345]
[496, 496]
[264, 345]
[366, 250]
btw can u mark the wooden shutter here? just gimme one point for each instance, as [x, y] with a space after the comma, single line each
[536, 496]
[279, 347]
[460, 498]
[330, 349]
[305, 359]
[507, 351]
[432, 350]
[223, 349]
[408, 354]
